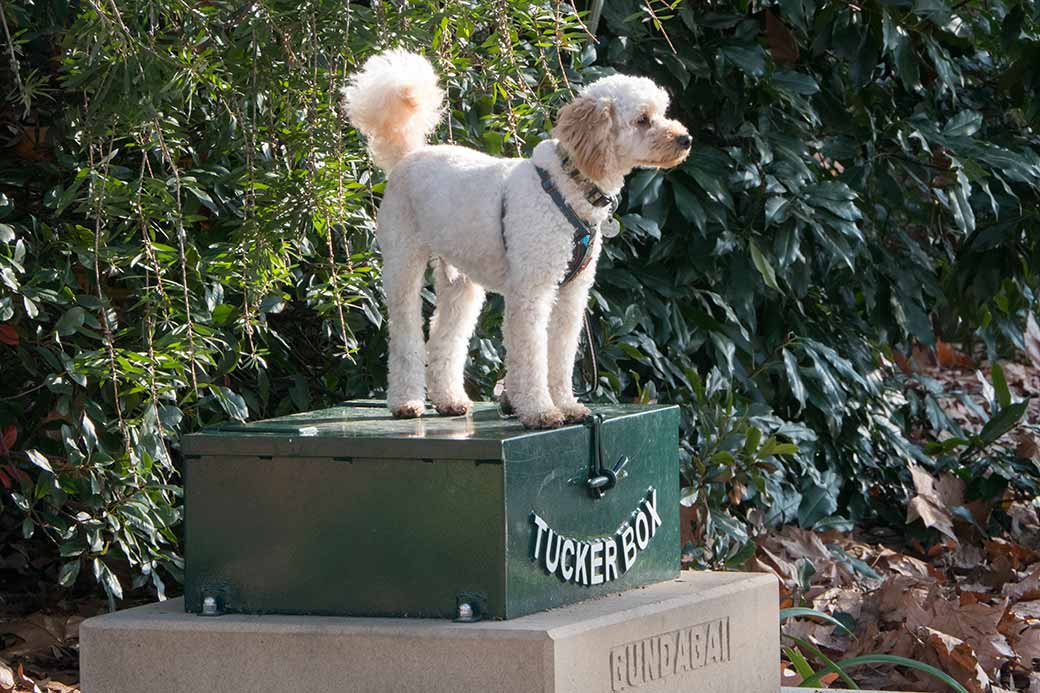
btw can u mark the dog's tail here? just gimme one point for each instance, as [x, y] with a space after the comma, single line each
[395, 102]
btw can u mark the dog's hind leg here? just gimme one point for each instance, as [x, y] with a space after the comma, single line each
[404, 266]
[458, 306]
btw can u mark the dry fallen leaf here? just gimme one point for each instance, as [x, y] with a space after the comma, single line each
[38, 632]
[934, 500]
[948, 610]
[959, 660]
[976, 623]
[782, 44]
[1032, 340]
[949, 357]
[6, 677]
[1026, 589]
[1027, 610]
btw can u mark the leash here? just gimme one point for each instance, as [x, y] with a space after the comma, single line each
[590, 351]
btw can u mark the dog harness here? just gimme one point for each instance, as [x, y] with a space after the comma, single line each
[584, 237]
[584, 232]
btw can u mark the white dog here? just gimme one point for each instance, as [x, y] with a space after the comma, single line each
[524, 228]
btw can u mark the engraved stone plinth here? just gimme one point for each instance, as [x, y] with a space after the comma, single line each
[704, 632]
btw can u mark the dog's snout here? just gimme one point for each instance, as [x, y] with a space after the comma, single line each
[684, 141]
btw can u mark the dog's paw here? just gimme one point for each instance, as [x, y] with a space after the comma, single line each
[550, 418]
[575, 413]
[408, 410]
[453, 407]
[505, 406]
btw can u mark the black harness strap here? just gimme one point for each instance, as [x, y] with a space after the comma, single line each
[584, 233]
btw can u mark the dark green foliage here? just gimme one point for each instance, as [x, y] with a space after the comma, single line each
[185, 236]
[864, 177]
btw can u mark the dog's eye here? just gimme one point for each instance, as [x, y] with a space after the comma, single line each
[643, 121]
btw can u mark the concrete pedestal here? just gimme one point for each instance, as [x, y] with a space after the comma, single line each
[704, 632]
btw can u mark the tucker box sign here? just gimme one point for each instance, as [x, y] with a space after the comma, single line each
[593, 562]
[347, 511]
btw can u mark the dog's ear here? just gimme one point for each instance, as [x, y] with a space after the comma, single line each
[585, 127]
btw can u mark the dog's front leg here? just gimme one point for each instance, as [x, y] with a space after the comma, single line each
[564, 332]
[527, 371]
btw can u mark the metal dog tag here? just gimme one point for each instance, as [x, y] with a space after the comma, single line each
[610, 228]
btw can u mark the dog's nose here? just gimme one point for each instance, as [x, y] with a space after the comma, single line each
[683, 141]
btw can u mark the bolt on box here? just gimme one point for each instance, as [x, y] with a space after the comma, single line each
[348, 511]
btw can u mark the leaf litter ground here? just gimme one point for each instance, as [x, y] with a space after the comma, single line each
[970, 609]
[968, 604]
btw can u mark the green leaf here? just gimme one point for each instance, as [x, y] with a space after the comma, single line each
[964, 124]
[763, 266]
[300, 393]
[936, 11]
[913, 318]
[1000, 386]
[642, 224]
[39, 460]
[232, 403]
[805, 612]
[795, 82]
[20, 501]
[89, 434]
[751, 441]
[794, 378]
[170, 417]
[107, 579]
[69, 573]
[799, 662]
[689, 206]
[898, 44]
[6, 233]
[644, 187]
[776, 209]
[1005, 419]
[853, 662]
[818, 653]
[751, 59]
[819, 500]
[70, 321]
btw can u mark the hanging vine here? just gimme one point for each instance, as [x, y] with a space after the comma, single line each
[202, 196]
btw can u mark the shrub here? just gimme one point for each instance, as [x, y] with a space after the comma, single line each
[864, 178]
[186, 236]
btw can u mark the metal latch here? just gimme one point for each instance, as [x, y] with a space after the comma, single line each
[601, 478]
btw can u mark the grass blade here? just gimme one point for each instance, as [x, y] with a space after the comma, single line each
[805, 612]
[799, 662]
[806, 645]
[886, 659]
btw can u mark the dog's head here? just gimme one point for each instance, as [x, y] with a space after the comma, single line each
[617, 123]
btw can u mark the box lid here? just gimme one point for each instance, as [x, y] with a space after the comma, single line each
[365, 429]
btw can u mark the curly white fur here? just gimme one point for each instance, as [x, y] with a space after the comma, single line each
[445, 203]
[395, 102]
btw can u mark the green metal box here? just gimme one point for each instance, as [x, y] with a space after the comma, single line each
[348, 511]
